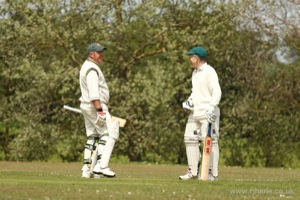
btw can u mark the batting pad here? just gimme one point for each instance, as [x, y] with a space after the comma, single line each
[193, 157]
[113, 131]
[214, 159]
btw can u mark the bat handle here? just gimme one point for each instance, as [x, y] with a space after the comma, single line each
[209, 130]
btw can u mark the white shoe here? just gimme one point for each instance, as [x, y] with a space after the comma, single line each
[107, 172]
[93, 175]
[86, 174]
[96, 169]
[188, 175]
[212, 178]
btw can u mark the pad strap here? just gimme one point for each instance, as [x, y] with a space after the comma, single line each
[87, 161]
[90, 147]
[102, 142]
[191, 139]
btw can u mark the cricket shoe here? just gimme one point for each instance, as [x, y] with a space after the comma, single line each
[86, 174]
[105, 171]
[188, 175]
[93, 175]
[96, 169]
[212, 178]
[90, 175]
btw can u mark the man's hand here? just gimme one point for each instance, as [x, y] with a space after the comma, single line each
[210, 115]
[188, 105]
[101, 118]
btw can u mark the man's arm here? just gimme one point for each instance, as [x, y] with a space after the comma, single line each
[92, 84]
[216, 89]
[97, 104]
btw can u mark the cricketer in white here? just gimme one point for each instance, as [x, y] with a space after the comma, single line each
[203, 107]
[101, 132]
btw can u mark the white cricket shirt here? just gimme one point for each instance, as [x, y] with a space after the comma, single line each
[206, 90]
[92, 83]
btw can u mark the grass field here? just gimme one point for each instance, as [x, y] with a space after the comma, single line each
[38, 180]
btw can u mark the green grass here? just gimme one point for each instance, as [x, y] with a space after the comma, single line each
[38, 180]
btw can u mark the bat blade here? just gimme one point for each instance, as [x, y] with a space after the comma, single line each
[206, 155]
[94, 159]
[122, 121]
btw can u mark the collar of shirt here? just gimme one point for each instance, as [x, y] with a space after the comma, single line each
[201, 68]
[90, 60]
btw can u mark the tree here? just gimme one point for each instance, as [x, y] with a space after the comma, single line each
[43, 45]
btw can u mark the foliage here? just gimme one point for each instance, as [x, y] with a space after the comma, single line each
[43, 45]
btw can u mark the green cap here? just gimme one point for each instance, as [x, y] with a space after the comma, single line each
[95, 47]
[198, 51]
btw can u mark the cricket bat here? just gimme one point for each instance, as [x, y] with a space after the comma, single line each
[113, 118]
[94, 159]
[206, 154]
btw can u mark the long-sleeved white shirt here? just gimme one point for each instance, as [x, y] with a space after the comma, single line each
[92, 83]
[206, 90]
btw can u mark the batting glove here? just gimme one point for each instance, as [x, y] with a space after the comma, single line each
[210, 115]
[101, 118]
[188, 105]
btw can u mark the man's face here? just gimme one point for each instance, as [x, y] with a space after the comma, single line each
[98, 57]
[194, 60]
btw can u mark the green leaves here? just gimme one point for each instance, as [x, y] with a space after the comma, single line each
[43, 44]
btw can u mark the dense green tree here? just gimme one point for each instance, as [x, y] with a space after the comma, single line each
[43, 45]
